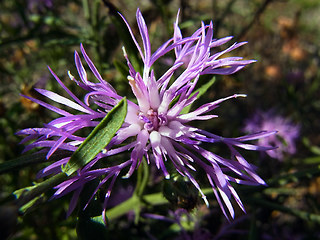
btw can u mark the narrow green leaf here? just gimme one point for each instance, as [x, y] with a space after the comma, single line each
[122, 68]
[304, 215]
[32, 203]
[294, 177]
[311, 160]
[98, 139]
[202, 90]
[25, 161]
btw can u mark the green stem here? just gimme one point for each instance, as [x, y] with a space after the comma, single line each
[95, 14]
[131, 203]
[86, 9]
[95, 32]
[142, 179]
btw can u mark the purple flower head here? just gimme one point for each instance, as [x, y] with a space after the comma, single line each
[155, 128]
[284, 140]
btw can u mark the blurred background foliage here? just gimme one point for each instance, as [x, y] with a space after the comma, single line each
[282, 35]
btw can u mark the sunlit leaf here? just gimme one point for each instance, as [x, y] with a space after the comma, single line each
[98, 139]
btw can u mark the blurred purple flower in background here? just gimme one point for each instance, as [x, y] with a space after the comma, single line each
[39, 5]
[156, 127]
[284, 140]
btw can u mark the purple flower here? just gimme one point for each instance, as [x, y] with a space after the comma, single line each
[155, 128]
[284, 140]
[39, 5]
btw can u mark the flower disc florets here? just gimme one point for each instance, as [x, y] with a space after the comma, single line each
[151, 120]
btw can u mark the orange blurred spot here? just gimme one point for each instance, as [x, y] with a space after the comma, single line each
[294, 50]
[273, 71]
[26, 103]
